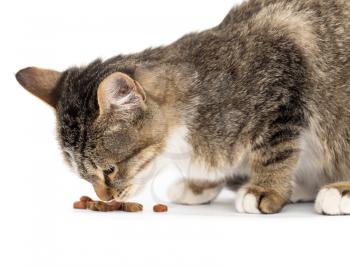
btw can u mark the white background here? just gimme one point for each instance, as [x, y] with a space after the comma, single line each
[38, 226]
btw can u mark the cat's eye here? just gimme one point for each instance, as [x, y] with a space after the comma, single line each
[66, 154]
[108, 174]
[110, 170]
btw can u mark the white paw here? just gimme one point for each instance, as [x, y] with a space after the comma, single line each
[329, 201]
[176, 191]
[180, 193]
[246, 203]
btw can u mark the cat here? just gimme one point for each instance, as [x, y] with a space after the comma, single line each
[258, 103]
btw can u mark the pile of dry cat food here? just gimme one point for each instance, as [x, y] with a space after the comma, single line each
[86, 202]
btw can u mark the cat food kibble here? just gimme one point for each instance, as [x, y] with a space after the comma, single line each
[160, 208]
[115, 205]
[131, 207]
[87, 203]
[85, 199]
[100, 206]
[80, 205]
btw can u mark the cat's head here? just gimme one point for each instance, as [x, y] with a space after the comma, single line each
[108, 130]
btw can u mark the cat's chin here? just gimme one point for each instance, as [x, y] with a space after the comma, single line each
[127, 193]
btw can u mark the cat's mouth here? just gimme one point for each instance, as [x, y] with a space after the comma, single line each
[104, 193]
[123, 193]
[119, 194]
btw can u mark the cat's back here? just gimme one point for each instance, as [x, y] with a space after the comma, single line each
[320, 29]
[339, 9]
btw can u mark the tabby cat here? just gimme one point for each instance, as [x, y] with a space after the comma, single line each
[259, 103]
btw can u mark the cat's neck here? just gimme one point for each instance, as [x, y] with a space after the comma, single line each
[168, 87]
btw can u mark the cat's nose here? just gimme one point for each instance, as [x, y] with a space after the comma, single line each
[103, 192]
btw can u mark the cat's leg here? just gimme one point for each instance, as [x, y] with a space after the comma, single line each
[272, 165]
[334, 199]
[194, 192]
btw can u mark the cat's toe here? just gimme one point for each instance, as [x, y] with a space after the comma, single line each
[246, 202]
[330, 201]
[255, 200]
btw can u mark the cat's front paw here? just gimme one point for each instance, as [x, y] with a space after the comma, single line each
[187, 193]
[332, 201]
[256, 200]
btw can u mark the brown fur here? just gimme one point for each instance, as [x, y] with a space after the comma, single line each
[271, 73]
[197, 187]
[40, 82]
[343, 187]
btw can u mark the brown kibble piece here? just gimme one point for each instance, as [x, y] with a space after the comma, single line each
[160, 208]
[88, 203]
[92, 206]
[131, 207]
[85, 199]
[100, 206]
[80, 205]
[115, 205]
[104, 206]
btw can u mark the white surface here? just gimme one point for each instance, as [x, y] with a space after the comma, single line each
[39, 228]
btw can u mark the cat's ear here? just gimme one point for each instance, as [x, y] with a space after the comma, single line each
[119, 92]
[40, 82]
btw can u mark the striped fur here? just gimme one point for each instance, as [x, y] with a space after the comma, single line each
[267, 88]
